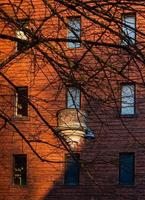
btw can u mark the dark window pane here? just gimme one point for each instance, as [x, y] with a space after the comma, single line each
[126, 168]
[20, 169]
[19, 46]
[72, 170]
[20, 35]
[22, 101]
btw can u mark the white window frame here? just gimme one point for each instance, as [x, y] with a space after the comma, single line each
[73, 97]
[128, 99]
[74, 32]
[128, 29]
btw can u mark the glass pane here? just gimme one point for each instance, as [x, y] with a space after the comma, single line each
[127, 102]
[21, 35]
[72, 171]
[73, 98]
[21, 101]
[20, 169]
[74, 32]
[129, 28]
[127, 169]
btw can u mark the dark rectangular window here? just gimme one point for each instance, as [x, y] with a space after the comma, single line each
[20, 33]
[72, 170]
[22, 101]
[126, 168]
[74, 32]
[128, 29]
[128, 99]
[73, 98]
[19, 170]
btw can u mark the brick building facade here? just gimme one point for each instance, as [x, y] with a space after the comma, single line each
[72, 100]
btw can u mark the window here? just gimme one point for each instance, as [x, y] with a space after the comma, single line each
[72, 170]
[126, 168]
[22, 101]
[73, 98]
[128, 99]
[128, 29]
[19, 169]
[21, 35]
[74, 31]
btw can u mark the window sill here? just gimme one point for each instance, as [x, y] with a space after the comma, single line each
[128, 115]
[78, 49]
[21, 118]
[19, 186]
[74, 47]
[128, 44]
[126, 186]
[124, 48]
[71, 185]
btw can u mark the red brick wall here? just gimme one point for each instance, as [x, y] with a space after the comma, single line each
[114, 134]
